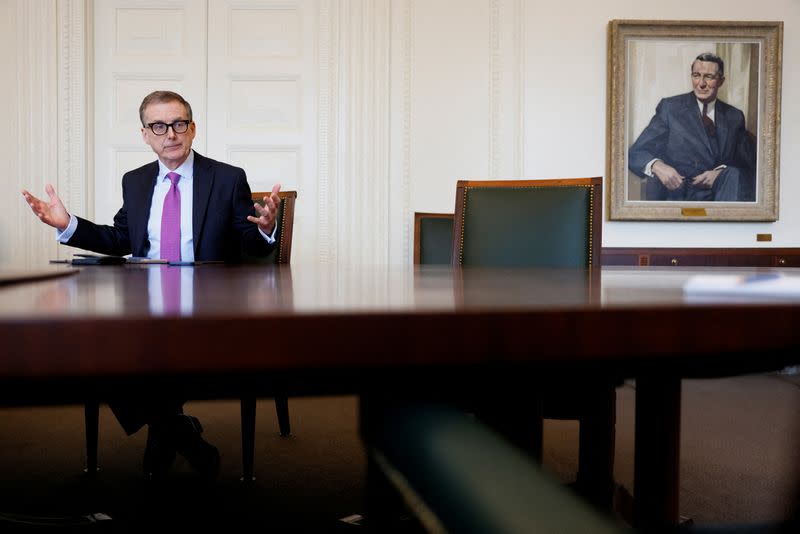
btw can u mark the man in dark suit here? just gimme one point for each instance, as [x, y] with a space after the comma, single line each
[182, 208]
[696, 147]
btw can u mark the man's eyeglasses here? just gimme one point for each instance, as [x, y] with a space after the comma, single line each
[706, 77]
[160, 128]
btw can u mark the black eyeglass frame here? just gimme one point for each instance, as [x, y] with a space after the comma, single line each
[172, 125]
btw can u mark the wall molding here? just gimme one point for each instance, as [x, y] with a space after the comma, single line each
[506, 91]
[324, 202]
[38, 128]
[74, 113]
[401, 219]
[358, 217]
[711, 257]
[495, 89]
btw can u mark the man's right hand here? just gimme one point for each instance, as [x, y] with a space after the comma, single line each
[53, 213]
[671, 178]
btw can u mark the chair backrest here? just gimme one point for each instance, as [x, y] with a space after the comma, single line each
[433, 238]
[528, 223]
[283, 235]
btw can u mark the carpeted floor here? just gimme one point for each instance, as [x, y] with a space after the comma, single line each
[739, 447]
[739, 462]
[304, 483]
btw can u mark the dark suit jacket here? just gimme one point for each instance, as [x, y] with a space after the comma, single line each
[676, 135]
[221, 203]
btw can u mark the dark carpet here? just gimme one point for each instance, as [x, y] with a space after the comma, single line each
[738, 463]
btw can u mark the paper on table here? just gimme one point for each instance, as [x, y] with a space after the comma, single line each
[773, 285]
[137, 259]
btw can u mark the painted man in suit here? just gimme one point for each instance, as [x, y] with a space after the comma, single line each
[696, 147]
[208, 215]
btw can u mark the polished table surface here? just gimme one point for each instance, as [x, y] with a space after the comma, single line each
[325, 329]
[299, 317]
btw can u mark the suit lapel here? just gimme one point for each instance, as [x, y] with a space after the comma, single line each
[721, 124]
[141, 198]
[203, 180]
[695, 121]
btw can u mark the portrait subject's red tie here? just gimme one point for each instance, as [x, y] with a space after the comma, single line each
[171, 221]
[707, 121]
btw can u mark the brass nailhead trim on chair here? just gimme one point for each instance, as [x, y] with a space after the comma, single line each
[461, 237]
[283, 227]
[590, 215]
[591, 219]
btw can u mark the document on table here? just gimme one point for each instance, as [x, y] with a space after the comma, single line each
[761, 285]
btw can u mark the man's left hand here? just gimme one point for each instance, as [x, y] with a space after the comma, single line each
[266, 214]
[706, 180]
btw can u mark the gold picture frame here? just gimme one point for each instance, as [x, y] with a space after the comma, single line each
[650, 90]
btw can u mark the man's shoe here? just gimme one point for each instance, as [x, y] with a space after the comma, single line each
[159, 454]
[201, 455]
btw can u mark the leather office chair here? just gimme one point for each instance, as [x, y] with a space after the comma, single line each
[553, 224]
[433, 238]
[528, 223]
[281, 255]
[457, 475]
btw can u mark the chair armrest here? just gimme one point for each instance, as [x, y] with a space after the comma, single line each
[457, 475]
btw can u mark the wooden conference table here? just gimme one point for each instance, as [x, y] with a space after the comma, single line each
[319, 329]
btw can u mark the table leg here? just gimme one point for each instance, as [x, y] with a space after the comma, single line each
[91, 414]
[657, 451]
[248, 410]
[596, 446]
[383, 504]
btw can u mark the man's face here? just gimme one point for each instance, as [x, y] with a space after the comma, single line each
[172, 148]
[706, 80]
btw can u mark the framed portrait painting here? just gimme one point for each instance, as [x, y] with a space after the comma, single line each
[694, 120]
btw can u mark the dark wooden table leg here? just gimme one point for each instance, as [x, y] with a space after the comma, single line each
[657, 452]
[91, 414]
[516, 415]
[383, 504]
[282, 409]
[248, 408]
[596, 446]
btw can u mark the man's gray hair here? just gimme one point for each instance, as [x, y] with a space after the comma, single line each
[163, 97]
[713, 58]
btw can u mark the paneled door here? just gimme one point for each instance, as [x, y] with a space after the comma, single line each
[247, 67]
[262, 100]
[140, 47]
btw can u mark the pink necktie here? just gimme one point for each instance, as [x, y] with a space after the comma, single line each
[171, 221]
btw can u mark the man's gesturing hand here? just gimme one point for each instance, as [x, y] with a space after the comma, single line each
[266, 214]
[53, 213]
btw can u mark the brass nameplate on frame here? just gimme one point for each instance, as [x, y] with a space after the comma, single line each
[693, 212]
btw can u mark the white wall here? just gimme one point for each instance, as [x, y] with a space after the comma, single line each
[450, 99]
[476, 89]
[572, 70]
[28, 138]
[564, 105]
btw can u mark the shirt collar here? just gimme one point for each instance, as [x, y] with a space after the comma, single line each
[710, 108]
[186, 169]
